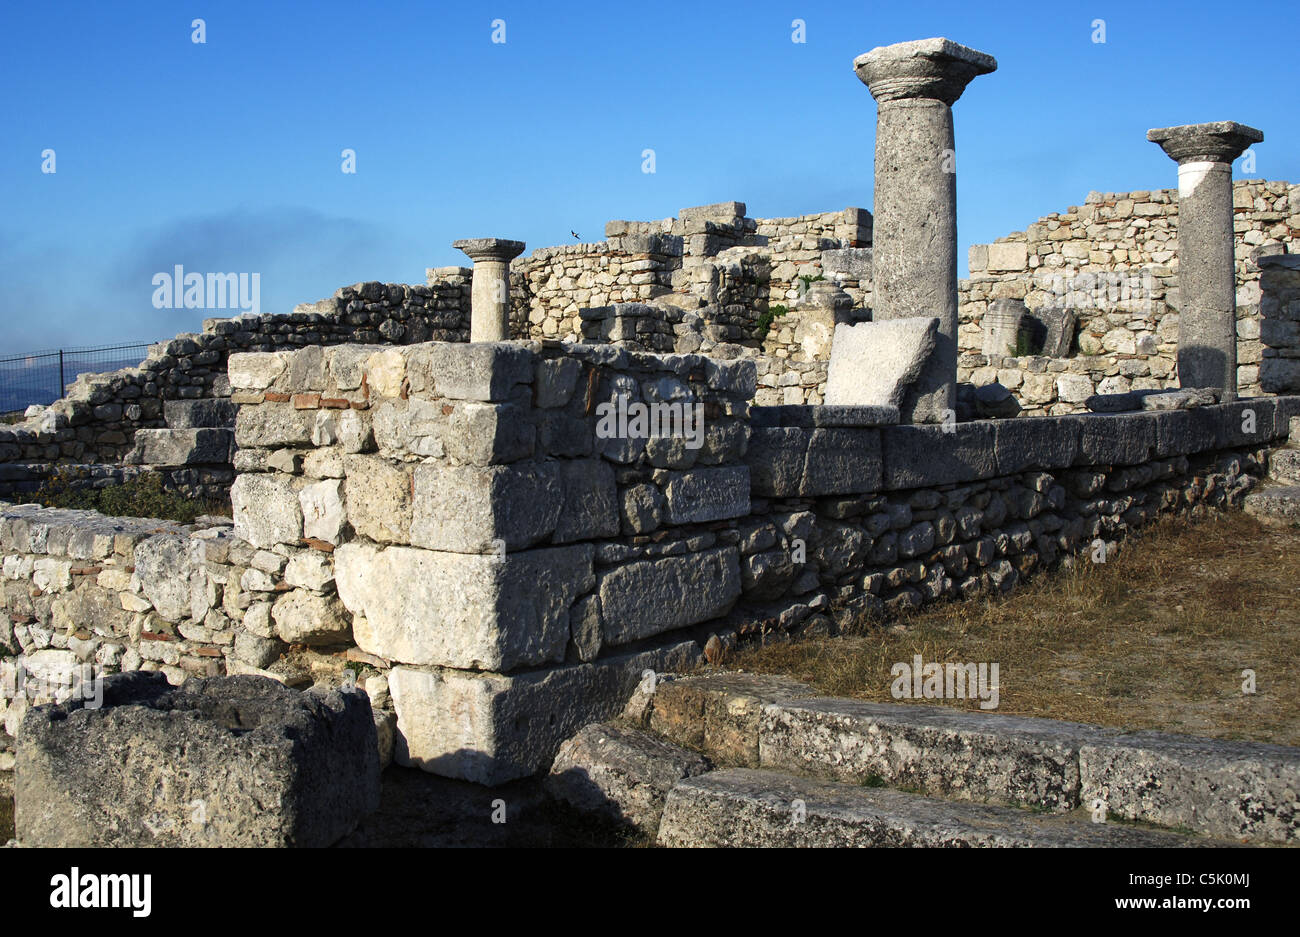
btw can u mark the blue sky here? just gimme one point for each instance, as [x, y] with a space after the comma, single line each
[226, 156]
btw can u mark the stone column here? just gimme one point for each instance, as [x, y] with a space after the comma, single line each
[915, 232]
[489, 316]
[1207, 276]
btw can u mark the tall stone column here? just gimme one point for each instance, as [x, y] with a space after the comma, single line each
[915, 234]
[489, 316]
[1207, 276]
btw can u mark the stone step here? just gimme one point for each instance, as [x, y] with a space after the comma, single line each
[1284, 466]
[1274, 504]
[1219, 788]
[747, 807]
[620, 774]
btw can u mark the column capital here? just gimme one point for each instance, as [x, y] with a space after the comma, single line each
[923, 68]
[489, 248]
[1218, 142]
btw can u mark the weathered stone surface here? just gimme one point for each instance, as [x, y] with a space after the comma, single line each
[490, 728]
[304, 618]
[481, 509]
[270, 425]
[488, 433]
[926, 456]
[743, 807]
[791, 461]
[194, 414]
[620, 775]
[163, 565]
[1043, 443]
[647, 597]
[1212, 786]
[323, 513]
[255, 371]
[482, 612]
[226, 762]
[874, 363]
[176, 447]
[378, 494]
[266, 510]
[720, 714]
[1119, 439]
[591, 504]
[701, 495]
[487, 372]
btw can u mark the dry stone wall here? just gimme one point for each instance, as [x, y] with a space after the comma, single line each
[1114, 262]
[98, 419]
[472, 525]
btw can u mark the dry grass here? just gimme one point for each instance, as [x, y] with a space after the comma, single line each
[1156, 638]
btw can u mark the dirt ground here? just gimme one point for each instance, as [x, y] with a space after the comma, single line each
[1157, 637]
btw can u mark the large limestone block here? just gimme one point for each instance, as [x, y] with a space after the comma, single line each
[224, 762]
[648, 597]
[174, 447]
[266, 510]
[378, 496]
[481, 509]
[255, 370]
[874, 363]
[272, 425]
[163, 566]
[473, 611]
[304, 618]
[702, 495]
[489, 728]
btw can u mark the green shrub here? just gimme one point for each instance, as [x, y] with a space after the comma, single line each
[764, 323]
[141, 496]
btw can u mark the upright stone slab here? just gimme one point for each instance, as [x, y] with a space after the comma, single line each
[915, 237]
[1002, 323]
[489, 319]
[876, 363]
[1207, 321]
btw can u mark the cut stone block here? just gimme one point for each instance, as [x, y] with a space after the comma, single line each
[195, 414]
[223, 762]
[473, 611]
[478, 509]
[648, 597]
[490, 728]
[175, 447]
[1212, 786]
[702, 495]
[620, 775]
[266, 510]
[874, 363]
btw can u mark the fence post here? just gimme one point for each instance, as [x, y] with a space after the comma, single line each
[61, 384]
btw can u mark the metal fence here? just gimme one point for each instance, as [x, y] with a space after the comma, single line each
[41, 376]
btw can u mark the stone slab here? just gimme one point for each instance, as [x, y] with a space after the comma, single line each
[472, 611]
[620, 775]
[490, 728]
[874, 363]
[222, 762]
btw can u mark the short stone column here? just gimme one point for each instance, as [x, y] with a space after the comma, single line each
[489, 317]
[1207, 277]
[915, 231]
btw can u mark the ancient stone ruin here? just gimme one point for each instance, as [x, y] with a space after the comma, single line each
[516, 494]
